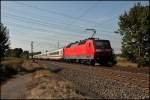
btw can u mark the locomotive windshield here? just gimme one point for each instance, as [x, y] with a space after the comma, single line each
[102, 44]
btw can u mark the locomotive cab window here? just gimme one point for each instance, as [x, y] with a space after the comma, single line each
[102, 44]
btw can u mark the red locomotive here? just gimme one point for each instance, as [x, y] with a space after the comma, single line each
[90, 51]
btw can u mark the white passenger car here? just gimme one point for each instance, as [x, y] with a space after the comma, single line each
[52, 55]
[55, 55]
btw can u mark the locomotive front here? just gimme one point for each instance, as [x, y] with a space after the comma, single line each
[103, 51]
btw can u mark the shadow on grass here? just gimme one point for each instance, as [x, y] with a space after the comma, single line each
[7, 71]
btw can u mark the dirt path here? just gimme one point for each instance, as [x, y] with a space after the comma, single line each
[15, 88]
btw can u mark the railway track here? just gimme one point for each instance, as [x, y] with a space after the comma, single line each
[104, 82]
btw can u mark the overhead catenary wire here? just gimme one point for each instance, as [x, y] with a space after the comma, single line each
[84, 13]
[58, 13]
[46, 24]
[43, 16]
[40, 23]
[54, 12]
[39, 20]
[19, 25]
[36, 29]
[43, 30]
[101, 33]
[66, 24]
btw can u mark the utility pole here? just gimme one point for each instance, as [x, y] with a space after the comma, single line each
[32, 49]
[94, 31]
[46, 52]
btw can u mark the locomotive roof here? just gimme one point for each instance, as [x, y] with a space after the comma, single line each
[83, 41]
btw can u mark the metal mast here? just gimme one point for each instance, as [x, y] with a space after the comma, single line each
[32, 49]
[94, 31]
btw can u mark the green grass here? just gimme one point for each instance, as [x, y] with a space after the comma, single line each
[123, 62]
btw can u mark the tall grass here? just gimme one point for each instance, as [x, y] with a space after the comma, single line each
[9, 67]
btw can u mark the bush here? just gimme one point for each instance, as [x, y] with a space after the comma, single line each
[9, 68]
[142, 62]
[7, 71]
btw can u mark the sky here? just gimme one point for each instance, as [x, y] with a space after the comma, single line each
[49, 23]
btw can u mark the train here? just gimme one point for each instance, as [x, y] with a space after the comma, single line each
[87, 51]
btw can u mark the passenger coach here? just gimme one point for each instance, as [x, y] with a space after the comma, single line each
[55, 55]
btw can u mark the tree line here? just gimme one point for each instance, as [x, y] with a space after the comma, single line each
[135, 32]
[17, 52]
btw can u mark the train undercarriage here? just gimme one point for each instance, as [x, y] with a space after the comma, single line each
[108, 62]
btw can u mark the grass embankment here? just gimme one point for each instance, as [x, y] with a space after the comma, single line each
[12, 66]
[49, 85]
[125, 63]
[9, 67]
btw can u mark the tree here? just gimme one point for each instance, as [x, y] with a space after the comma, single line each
[4, 40]
[17, 52]
[135, 31]
[25, 54]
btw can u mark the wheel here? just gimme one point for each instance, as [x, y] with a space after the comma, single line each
[92, 62]
[109, 63]
[80, 61]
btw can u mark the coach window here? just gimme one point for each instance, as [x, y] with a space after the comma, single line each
[61, 52]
